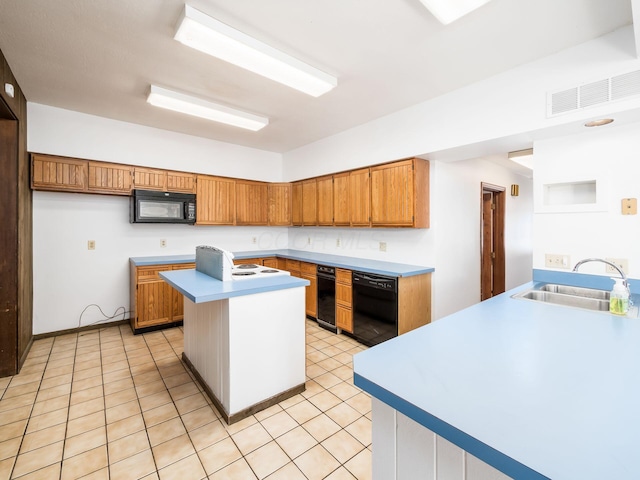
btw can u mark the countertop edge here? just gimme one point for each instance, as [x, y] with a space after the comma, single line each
[379, 267]
[241, 288]
[484, 452]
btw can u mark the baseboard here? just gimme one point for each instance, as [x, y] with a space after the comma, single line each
[242, 414]
[85, 328]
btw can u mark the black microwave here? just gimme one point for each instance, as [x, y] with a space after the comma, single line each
[149, 206]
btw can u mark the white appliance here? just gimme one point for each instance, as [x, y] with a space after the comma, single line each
[215, 262]
[250, 271]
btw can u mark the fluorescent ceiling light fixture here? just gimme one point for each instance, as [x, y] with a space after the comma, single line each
[523, 157]
[447, 11]
[202, 32]
[179, 102]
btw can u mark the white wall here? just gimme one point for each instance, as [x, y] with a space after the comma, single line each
[610, 155]
[67, 276]
[64, 132]
[510, 104]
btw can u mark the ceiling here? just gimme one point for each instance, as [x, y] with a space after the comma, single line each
[100, 57]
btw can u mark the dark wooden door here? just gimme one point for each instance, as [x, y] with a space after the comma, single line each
[492, 276]
[8, 248]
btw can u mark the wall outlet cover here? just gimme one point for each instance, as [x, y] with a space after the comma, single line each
[623, 263]
[91, 245]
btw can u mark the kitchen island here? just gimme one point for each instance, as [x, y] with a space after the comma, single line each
[244, 340]
[509, 388]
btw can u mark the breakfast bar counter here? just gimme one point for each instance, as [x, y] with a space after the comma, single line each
[243, 339]
[507, 388]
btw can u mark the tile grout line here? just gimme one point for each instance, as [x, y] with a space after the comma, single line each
[24, 433]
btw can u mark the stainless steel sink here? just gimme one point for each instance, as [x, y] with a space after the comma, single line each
[577, 297]
[576, 291]
[598, 304]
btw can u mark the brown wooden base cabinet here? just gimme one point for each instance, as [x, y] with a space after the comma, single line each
[344, 299]
[154, 303]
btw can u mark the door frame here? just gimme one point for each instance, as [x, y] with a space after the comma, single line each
[497, 226]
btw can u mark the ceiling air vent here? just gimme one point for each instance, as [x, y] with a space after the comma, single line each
[595, 93]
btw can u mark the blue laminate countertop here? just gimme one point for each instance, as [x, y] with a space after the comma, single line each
[199, 287]
[352, 263]
[534, 389]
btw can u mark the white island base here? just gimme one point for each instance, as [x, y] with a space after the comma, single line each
[248, 351]
[405, 450]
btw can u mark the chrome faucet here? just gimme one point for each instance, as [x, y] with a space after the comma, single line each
[612, 265]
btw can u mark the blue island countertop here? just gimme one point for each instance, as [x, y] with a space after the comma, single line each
[200, 288]
[535, 390]
[391, 269]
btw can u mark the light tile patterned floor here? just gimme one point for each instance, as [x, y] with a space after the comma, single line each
[107, 404]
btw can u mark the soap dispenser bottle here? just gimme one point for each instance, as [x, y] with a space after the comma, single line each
[619, 299]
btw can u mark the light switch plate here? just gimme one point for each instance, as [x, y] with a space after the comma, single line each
[556, 261]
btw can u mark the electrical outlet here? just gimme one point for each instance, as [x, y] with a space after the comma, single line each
[254, 240]
[383, 246]
[308, 240]
[91, 245]
[556, 261]
[623, 263]
[163, 243]
[337, 242]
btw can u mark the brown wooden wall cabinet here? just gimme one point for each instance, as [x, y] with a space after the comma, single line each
[49, 172]
[251, 203]
[149, 179]
[111, 178]
[296, 204]
[341, 207]
[400, 194]
[390, 195]
[215, 200]
[154, 303]
[360, 197]
[16, 240]
[310, 202]
[280, 204]
[324, 187]
[344, 299]
[181, 182]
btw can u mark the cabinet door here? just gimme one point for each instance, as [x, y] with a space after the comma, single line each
[392, 194]
[154, 297]
[150, 179]
[251, 203]
[296, 204]
[343, 295]
[177, 299]
[360, 198]
[344, 318]
[280, 204]
[309, 202]
[311, 295]
[109, 178]
[215, 201]
[341, 210]
[324, 186]
[181, 182]
[271, 262]
[58, 173]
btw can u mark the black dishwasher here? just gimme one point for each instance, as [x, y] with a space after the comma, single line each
[326, 297]
[375, 308]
